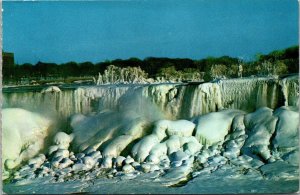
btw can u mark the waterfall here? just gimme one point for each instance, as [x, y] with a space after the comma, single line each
[173, 100]
[290, 90]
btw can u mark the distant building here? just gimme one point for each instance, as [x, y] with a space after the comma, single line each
[8, 60]
[8, 63]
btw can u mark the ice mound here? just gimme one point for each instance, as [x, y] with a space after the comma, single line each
[260, 127]
[167, 137]
[213, 127]
[181, 128]
[126, 146]
[105, 127]
[23, 135]
[287, 129]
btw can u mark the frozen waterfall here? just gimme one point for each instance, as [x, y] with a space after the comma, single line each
[174, 101]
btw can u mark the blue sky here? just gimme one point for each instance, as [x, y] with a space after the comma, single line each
[63, 31]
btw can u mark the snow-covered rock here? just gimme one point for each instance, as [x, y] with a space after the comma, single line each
[287, 129]
[107, 162]
[89, 161]
[213, 127]
[38, 160]
[260, 127]
[127, 168]
[165, 128]
[117, 145]
[119, 161]
[159, 150]
[142, 149]
[63, 140]
[93, 131]
[66, 162]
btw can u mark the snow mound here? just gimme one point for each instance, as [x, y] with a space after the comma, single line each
[287, 129]
[23, 135]
[213, 127]
[260, 127]
[93, 131]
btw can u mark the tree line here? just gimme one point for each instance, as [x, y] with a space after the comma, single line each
[277, 62]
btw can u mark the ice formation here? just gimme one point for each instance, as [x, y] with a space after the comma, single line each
[173, 150]
[213, 127]
[174, 100]
[134, 138]
[52, 89]
[23, 136]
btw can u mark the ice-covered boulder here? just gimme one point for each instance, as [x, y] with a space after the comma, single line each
[178, 156]
[153, 159]
[191, 147]
[127, 168]
[23, 135]
[260, 127]
[167, 137]
[63, 140]
[89, 161]
[95, 154]
[142, 149]
[173, 144]
[107, 162]
[117, 145]
[287, 129]
[93, 131]
[159, 150]
[65, 162]
[177, 174]
[52, 149]
[38, 160]
[213, 127]
[165, 128]
[119, 161]
[61, 152]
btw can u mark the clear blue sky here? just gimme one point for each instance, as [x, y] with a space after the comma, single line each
[94, 31]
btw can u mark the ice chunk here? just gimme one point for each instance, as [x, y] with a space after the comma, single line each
[159, 150]
[127, 168]
[178, 127]
[287, 129]
[119, 161]
[173, 144]
[63, 139]
[117, 145]
[142, 149]
[213, 127]
[260, 128]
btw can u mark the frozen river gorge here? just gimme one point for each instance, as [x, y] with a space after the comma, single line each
[226, 136]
